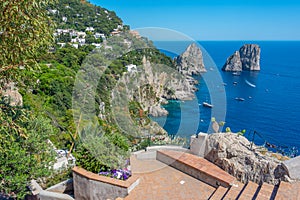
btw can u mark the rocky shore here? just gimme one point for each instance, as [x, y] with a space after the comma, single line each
[234, 154]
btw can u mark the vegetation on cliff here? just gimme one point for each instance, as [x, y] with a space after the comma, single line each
[46, 80]
[24, 152]
[79, 15]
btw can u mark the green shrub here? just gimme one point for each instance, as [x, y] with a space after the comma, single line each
[24, 151]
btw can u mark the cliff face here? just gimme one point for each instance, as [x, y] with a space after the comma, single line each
[190, 62]
[154, 84]
[247, 58]
[233, 154]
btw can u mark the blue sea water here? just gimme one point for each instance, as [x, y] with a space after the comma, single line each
[272, 96]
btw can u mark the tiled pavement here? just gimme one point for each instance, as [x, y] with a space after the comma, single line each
[161, 182]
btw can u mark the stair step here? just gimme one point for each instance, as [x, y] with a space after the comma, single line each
[283, 191]
[219, 193]
[288, 191]
[249, 191]
[234, 191]
[265, 192]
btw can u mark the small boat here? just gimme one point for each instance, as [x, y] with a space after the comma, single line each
[236, 73]
[239, 99]
[205, 104]
[235, 83]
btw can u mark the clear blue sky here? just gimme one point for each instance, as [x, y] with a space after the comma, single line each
[213, 19]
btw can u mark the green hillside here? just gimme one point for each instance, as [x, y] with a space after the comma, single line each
[47, 84]
[78, 15]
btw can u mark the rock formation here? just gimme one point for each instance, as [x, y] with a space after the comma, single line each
[190, 62]
[247, 58]
[233, 154]
[12, 95]
[154, 84]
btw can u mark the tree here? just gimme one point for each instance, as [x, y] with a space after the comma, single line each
[25, 31]
[24, 151]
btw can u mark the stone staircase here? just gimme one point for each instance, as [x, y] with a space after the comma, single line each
[240, 191]
[227, 187]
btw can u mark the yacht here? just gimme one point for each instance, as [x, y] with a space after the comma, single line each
[205, 104]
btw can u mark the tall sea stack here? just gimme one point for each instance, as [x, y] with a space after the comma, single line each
[190, 62]
[247, 58]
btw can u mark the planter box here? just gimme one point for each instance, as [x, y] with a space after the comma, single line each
[88, 185]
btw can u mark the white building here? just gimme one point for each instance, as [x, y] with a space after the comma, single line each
[99, 35]
[53, 11]
[61, 44]
[64, 19]
[91, 29]
[81, 41]
[75, 45]
[73, 33]
[81, 34]
[65, 31]
[120, 27]
[131, 68]
[73, 40]
[97, 45]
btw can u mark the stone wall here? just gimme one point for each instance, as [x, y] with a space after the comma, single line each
[56, 192]
[88, 185]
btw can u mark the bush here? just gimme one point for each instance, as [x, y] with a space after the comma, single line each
[24, 151]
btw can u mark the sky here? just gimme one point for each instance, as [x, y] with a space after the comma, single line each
[213, 19]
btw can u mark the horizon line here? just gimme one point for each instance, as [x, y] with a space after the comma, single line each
[225, 40]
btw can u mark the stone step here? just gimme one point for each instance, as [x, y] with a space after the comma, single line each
[288, 191]
[197, 167]
[265, 192]
[249, 191]
[219, 193]
[234, 191]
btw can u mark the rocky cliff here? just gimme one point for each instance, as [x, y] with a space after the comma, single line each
[190, 62]
[154, 84]
[233, 154]
[247, 58]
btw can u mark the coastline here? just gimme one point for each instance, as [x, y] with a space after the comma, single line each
[259, 111]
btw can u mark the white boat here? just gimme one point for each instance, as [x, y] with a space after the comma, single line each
[205, 104]
[236, 73]
[239, 99]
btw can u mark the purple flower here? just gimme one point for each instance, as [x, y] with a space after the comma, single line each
[117, 173]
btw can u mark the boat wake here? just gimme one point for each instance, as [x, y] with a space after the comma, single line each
[250, 84]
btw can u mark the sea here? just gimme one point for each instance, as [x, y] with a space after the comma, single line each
[270, 112]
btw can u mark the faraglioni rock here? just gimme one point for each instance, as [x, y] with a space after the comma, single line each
[247, 58]
[190, 62]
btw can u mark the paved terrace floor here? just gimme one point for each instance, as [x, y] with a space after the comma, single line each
[159, 181]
